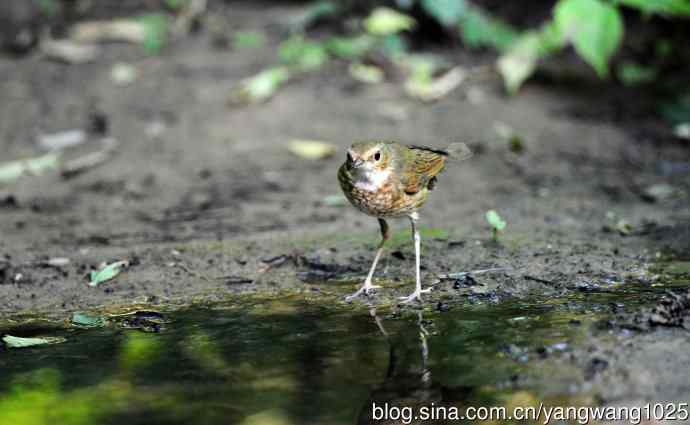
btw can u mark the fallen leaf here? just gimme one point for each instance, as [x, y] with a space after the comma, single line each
[127, 30]
[334, 200]
[87, 320]
[260, 87]
[107, 273]
[13, 170]
[658, 192]
[123, 74]
[69, 51]
[62, 140]
[369, 74]
[436, 88]
[311, 149]
[18, 342]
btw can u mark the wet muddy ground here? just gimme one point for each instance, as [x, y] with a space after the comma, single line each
[207, 203]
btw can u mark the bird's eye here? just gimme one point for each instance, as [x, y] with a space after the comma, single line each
[377, 156]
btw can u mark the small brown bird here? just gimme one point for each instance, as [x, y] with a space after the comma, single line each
[389, 180]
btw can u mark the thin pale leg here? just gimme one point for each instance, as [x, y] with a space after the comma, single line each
[385, 234]
[417, 294]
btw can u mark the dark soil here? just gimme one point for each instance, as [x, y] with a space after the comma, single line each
[206, 201]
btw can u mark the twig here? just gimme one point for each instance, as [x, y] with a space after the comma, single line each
[460, 275]
[78, 165]
[536, 279]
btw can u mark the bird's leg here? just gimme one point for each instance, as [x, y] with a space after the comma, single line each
[385, 235]
[417, 294]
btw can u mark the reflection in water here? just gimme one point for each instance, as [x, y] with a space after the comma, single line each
[408, 391]
[408, 379]
[285, 362]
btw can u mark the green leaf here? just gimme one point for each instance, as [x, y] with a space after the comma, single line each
[304, 54]
[478, 29]
[386, 21]
[595, 29]
[632, 74]
[262, 86]
[394, 45]
[495, 220]
[17, 342]
[350, 47]
[107, 273]
[523, 56]
[446, 12]
[661, 7]
[156, 31]
[248, 39]
[87, 320]
[520, 61]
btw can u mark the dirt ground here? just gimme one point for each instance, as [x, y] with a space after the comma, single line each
[206, 201]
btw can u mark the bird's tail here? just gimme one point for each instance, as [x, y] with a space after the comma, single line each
[458, 152]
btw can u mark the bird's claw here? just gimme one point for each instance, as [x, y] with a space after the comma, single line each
[363, 290]
[416, 295]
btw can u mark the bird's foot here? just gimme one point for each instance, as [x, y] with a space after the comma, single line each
[365, 289]
[416, 295]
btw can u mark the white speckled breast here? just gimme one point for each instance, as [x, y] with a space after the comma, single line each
[379, 198]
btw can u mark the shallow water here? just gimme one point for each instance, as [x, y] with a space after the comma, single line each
[290, 361]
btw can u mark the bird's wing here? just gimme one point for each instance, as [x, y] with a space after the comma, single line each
[423, 164]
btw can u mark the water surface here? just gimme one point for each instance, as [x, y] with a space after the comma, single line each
[291, 361]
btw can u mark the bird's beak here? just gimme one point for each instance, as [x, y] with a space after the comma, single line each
[357, 163]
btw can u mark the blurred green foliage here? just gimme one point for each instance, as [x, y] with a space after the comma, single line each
[350, 47]
[248, 39]
[678, 111]
[156, 31]
[594, 28]
[303, 54]
[48, 7]
[496, 222]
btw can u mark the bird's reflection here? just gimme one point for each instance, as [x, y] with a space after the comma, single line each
[409, 385]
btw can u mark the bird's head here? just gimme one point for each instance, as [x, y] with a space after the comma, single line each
[369, 157]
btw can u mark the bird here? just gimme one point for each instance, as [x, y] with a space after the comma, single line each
[387, 179]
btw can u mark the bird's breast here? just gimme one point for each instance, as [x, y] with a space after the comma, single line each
[378, 194]
[372, 181]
